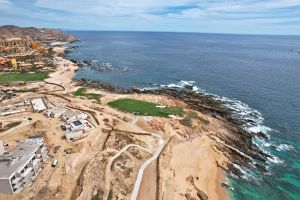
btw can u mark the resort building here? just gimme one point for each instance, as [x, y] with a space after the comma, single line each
[24, 66]
[54, 112]
[73, 115]
[14, 42]
[76, 129]
[20, 167]
[27, 103]
[11, 112]
[73, 125]
[75, 135]
[13, 108]
[38, 104]
[13, 63]
[38, 64]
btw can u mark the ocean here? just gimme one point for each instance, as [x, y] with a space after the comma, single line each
[260, 72]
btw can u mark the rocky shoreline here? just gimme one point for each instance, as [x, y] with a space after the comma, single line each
[95, 65]
[237, 145]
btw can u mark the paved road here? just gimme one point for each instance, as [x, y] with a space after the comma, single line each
[146, 163]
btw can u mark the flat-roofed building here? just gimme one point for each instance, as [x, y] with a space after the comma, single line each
[73, 115]
[14, 42]
[11, 112]
[76, 129]
[21, 166]
[39, 104]
[55, 112]
[73, 125]
[75, 135]
[25, 66]
[38, 64]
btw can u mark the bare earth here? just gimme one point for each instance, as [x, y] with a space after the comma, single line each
[107, 161]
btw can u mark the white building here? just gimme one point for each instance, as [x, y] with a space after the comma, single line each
[75, 135]
[73, 115]
[73, 125]
[76, 129]
[20, 167]
[38, 104]
[55, 112]
[10, 112]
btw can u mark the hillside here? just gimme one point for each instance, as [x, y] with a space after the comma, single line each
[11, 31]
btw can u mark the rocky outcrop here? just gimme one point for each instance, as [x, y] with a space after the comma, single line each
[202, 195]
[237, 144]
[106, 86]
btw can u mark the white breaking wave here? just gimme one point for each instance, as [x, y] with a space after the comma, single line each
[254, 121]
[258, 128]
[274, 159]
[246, 174]
[253, 118]
[182, 84]
[284, 147]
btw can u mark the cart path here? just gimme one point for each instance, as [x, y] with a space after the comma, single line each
[147, 162]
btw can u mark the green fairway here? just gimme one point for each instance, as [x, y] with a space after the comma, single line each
[20, 76]
[145, 108]
[82, 92]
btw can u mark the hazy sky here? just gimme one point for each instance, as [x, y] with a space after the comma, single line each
[219, 16]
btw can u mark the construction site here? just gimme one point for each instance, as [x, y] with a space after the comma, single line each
[108, 149]
[95, 151]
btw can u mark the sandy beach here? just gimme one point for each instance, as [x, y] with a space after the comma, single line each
[65, 70]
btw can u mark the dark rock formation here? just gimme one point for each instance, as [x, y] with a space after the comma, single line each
[202, 195]
[225, 185]
[106, 86]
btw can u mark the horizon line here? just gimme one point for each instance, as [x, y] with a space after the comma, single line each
[156, 31]
[191, 32]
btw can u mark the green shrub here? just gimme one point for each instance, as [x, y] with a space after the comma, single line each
[187, 120]
[82, 92]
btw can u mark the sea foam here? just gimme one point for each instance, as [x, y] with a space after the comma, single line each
[254, 121]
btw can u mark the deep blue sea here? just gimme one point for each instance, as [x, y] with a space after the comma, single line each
[260, 71]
